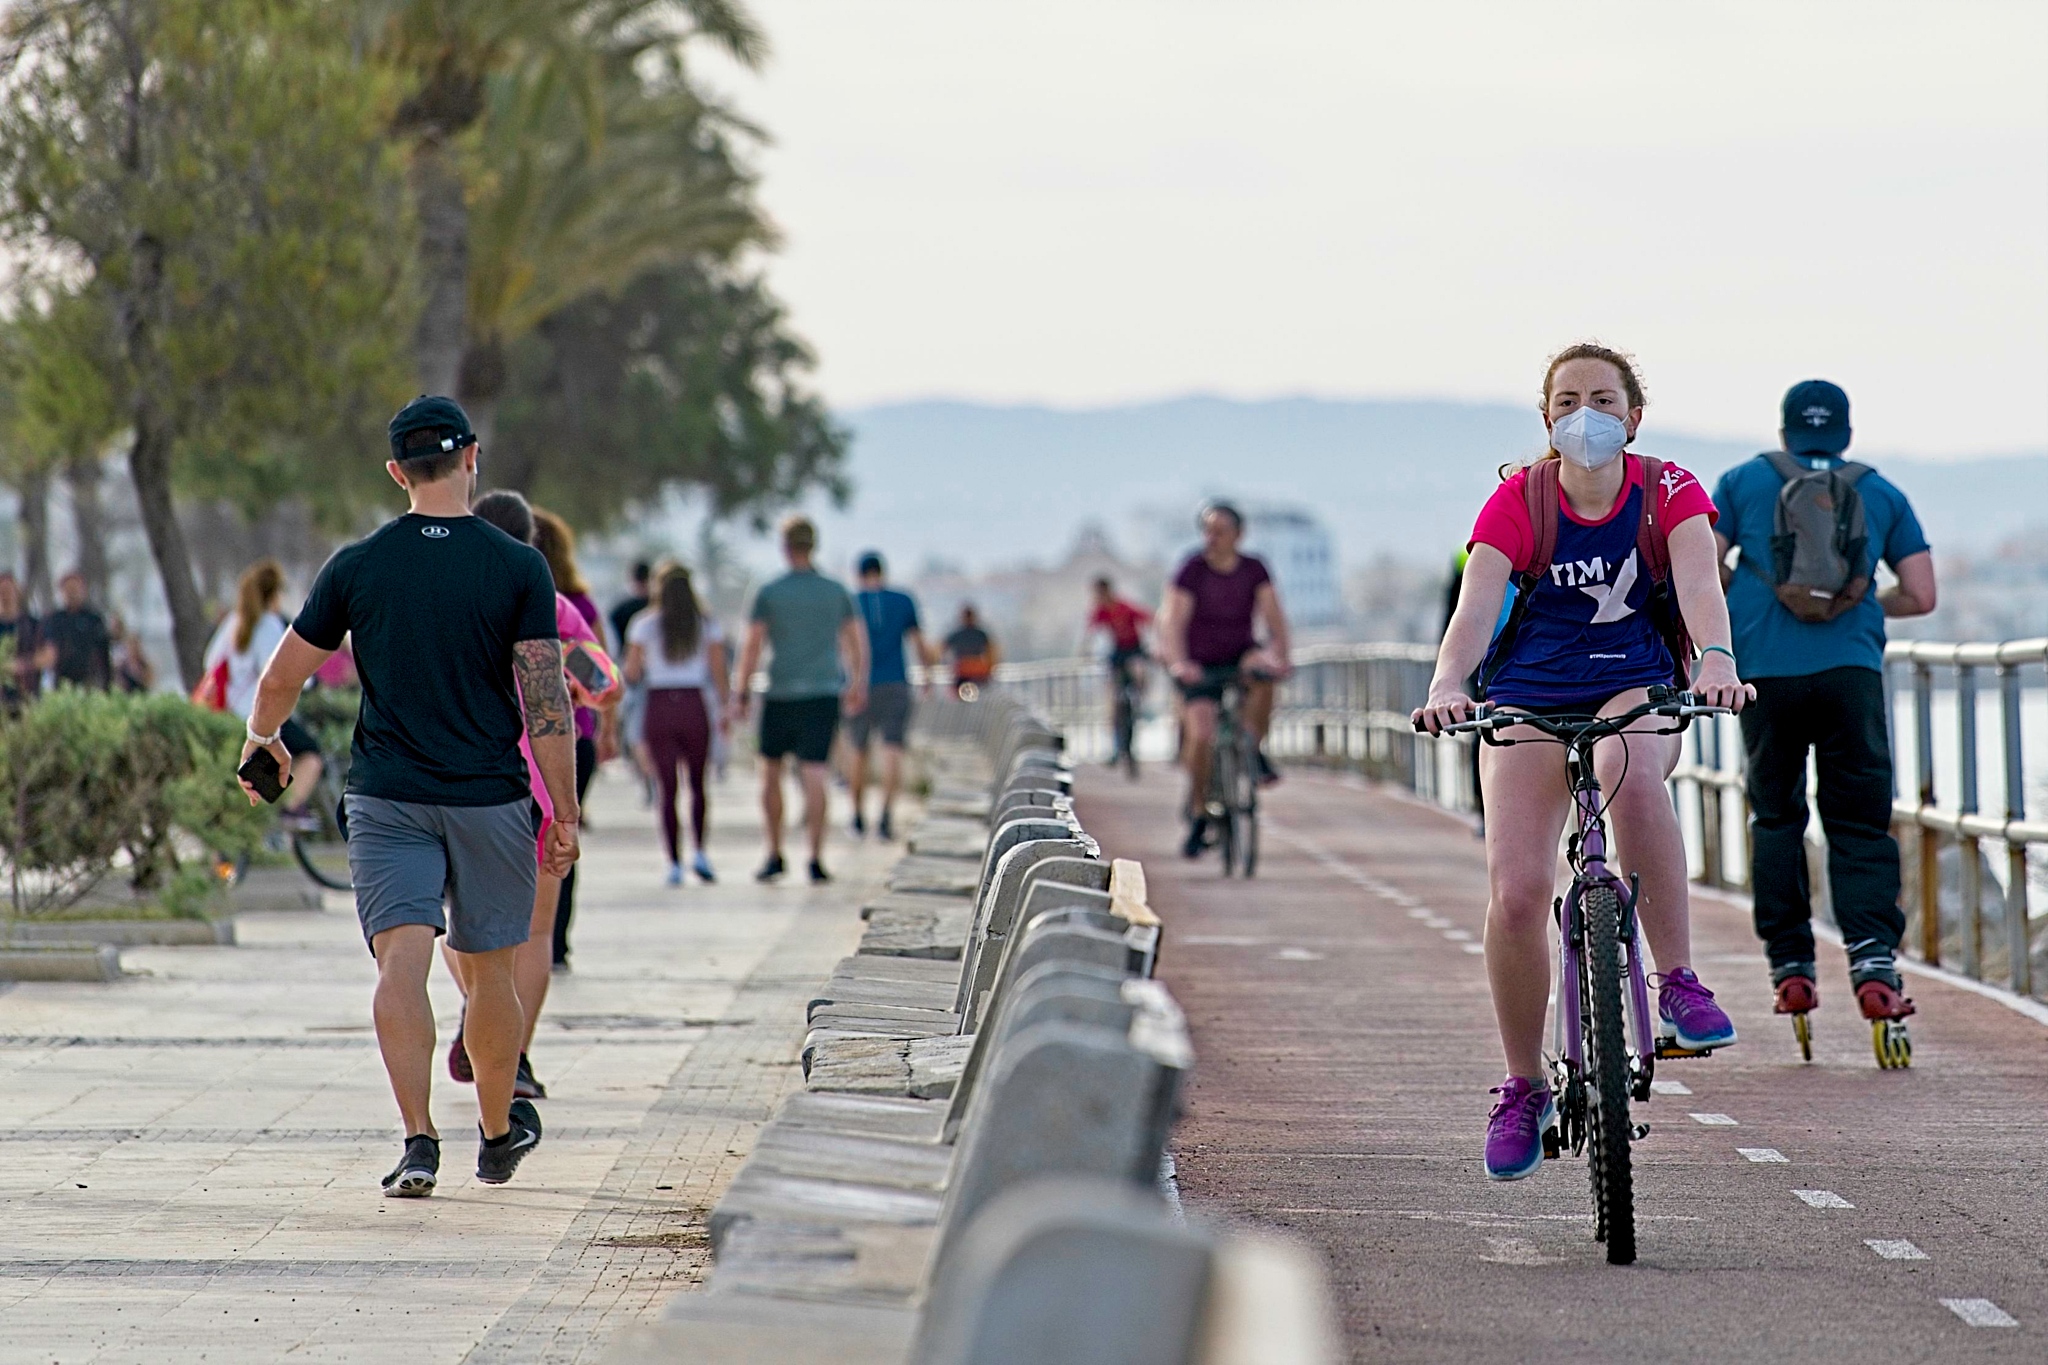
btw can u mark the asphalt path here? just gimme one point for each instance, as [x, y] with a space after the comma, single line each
[1786, 1211]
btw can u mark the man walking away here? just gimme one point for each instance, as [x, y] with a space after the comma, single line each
[453, 623]
[818, 664]
[973, 652]
[1815, 650]
[76, 645]
[890, 618]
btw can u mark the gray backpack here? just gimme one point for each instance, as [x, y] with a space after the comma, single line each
[1817, 539]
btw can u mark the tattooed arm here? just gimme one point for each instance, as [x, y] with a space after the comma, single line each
[551, 726]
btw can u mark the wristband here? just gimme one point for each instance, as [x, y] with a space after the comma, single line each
[1718, 649]
[264, 741]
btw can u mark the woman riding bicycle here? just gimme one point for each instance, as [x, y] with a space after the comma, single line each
[1585, 643]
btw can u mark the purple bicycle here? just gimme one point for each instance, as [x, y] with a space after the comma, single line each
[1609, 1054]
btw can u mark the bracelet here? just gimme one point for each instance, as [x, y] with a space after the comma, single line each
[265, 741]
[1718, 649]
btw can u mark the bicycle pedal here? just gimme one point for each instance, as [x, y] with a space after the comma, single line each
[1669, 1050]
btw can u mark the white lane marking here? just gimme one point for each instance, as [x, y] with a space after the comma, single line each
[1714, 1120]
[1422, 912]
[1763, 1154]
[1458, 935]
[1980, 1312]
[1436, 922]
[1514, 1251]
[1667, 1087]
[1823, 1199]
[1219, 941]
[1895, 1248]
[1297, 955]
[1473, 947]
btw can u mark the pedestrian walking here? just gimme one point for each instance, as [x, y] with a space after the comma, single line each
[241, 646]
[817, 667]
[676, 653]
[20, 640]
[531, 966]
[890, 619]
[633, 707]
[596, 730]
[76, 647]
[973, 652]
[1811, 527]
[453, 626]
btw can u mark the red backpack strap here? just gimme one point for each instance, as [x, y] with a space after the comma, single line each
[1651, 545]
[1539, 492]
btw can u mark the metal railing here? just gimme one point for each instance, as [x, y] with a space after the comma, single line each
[1348, 705]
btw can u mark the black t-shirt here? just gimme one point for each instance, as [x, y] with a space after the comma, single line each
[435, 605]
[622, 616]
[83, 648]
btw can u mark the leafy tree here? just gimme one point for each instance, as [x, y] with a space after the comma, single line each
[212, 170]
[688, 375]
[448, 52]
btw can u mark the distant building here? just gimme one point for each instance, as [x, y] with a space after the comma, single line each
[1303, 559]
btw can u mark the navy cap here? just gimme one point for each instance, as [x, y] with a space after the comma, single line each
[1816, 420]
[871, 562]
[430, 412]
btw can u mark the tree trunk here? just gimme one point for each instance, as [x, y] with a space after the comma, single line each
[35, 540]
[89, 518]
[149, 466]
[478, 386]
[444, 264]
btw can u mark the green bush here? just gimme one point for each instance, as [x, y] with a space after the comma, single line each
[88, 779]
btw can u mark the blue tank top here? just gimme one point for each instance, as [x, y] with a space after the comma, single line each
[1586, 634]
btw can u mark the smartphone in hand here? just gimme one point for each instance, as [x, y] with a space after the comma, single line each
[262, 773]
[584, 669]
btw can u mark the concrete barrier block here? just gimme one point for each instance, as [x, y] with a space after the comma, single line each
[765, 1196]
[936, 1064]
[904, 1119]
[1083, 1273]
[936, 876]
[859, 1066]
[939, 934]
[937, 838]
[741, 1329]
[914, 900]
[1000, 902]
[60, 961]
[129, 933]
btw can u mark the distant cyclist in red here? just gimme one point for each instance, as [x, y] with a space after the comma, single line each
[1125, 622]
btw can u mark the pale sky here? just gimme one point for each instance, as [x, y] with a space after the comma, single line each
[1110, 200]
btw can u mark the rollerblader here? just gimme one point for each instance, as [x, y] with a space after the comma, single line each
[1811, 528]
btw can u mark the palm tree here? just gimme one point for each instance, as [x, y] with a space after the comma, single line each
[558, 215]
[449, 51]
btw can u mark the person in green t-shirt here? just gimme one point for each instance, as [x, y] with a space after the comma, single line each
[817, 669]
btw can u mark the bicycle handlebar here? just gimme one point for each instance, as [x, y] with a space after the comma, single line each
[1487, 723]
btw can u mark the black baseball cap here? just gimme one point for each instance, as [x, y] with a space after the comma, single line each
[430, 413]
[1816, 420]
[871, 562]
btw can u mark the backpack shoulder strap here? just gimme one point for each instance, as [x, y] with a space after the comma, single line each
[1850, 472]
[1651, 546]
[1539, 492]
[1787, 467]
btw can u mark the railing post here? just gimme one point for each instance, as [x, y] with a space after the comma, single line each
[2018, 935]
[1970, 882]
[1930, 848]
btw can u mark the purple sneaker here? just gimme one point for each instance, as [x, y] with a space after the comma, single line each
[1691, 1018]
[1515, 1128]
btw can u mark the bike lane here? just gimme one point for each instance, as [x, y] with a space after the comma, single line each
[1786, 1212]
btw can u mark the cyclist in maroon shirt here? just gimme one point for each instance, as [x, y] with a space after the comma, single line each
[1206, 639]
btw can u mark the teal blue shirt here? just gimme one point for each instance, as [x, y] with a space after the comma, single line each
[1770, 642]
[803, 610]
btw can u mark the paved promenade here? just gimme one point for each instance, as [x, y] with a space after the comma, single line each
[1787, 1212]
[189, 1158]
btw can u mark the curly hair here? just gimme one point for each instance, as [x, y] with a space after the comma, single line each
[1631, 382]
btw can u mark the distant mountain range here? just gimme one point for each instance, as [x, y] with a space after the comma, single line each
[977, 485]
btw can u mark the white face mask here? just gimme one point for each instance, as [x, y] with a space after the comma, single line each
[1588, 438]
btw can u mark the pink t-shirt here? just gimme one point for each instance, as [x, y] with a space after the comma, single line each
[1504, 521]
[570, 623]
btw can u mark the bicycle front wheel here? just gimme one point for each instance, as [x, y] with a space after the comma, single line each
[322, 854]
[1246, 800]
[1223, 810]
[1608, 1125]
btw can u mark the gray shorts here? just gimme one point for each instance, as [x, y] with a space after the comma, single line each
[887, 714]
[406, 859]
[633, 714]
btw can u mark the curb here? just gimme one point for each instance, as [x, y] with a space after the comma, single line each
[129, 933]
[60, 961]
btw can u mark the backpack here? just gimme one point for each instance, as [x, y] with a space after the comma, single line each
[1817, 539]
[1652, 550]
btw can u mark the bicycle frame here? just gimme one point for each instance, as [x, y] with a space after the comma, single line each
[1588, 859]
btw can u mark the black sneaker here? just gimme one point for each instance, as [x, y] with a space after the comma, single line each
[495, 1163]
[417, 1171]
[524, 1086]
[1268, 774]
[885, 828]
[1198, 837]
[819, 876]
[860, 825]
[458, 1054]
[772, 869]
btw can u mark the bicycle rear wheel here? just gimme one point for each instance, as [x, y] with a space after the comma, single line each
[1246, 799]
[1223, 811]
[322, 854]
[1608, 1124]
